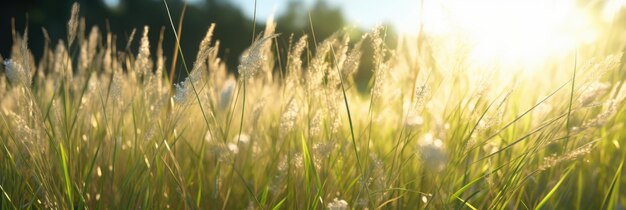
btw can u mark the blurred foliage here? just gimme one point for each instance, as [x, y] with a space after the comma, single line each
[232, 25]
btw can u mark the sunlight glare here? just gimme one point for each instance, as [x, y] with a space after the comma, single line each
[515, 32]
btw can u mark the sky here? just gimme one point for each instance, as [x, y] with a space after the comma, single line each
[364, 13]
[511, 31]
[404, 15]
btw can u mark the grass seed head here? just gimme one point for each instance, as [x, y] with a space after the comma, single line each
[289, 117]
[143, 63]
[227, 92]
[72, 24]
[16, 73]
[592, 92]
[252, 60]
[554, 160]
[338, 205]
[205, 46]
[432, 152]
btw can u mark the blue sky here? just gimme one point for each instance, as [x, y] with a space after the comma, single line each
[403, 14]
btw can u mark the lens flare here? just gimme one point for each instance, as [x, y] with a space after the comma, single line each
[512, 32]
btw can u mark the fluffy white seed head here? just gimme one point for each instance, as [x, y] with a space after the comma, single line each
[186, 88]
[414, 121]
[107, 60]
[62, 62]
[160, 62]
[317, 124]
[294, 60]
[289, 117]
[242, 139]
[208, 137]
[252, 60]
[592, 92]
[380, 66]
[233, 148]
[205, 49]
[432, 152]
[72, 24]
[16, 73]
[227, 92]
[88, 50]
[338, 205]
[554, 160]
[94, 36]
[351, 64]
[181, 93]
[143, 63]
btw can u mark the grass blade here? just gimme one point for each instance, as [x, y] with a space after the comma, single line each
[610, 197]
[556, 187]
[279, 204]
[66, 175]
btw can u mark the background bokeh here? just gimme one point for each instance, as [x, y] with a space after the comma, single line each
[234, 23]
[234, 27]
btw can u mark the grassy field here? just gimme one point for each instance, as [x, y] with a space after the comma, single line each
[95, 126]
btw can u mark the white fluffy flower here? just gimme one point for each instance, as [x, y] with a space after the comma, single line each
[233, 148]
[338, 205]
[143, 64]
[593, 92]
[16, 73]
[208, 137]
[414, 121]
[227, 92]
[252, 60]
[72, 24]
[242, 139]
[432, 152]
[289, 117]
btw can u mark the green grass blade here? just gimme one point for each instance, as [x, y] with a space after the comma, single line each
[553, 191]
[571, 101]
[66, 175]
[466, 203]
[457, 194]
[279, 204]
[610, 197]
[8, 198]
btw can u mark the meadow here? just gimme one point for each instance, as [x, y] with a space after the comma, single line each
[92, 125]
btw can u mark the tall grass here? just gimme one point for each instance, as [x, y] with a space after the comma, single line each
[94, 126]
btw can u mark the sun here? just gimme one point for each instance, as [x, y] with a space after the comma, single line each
[512, 32]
